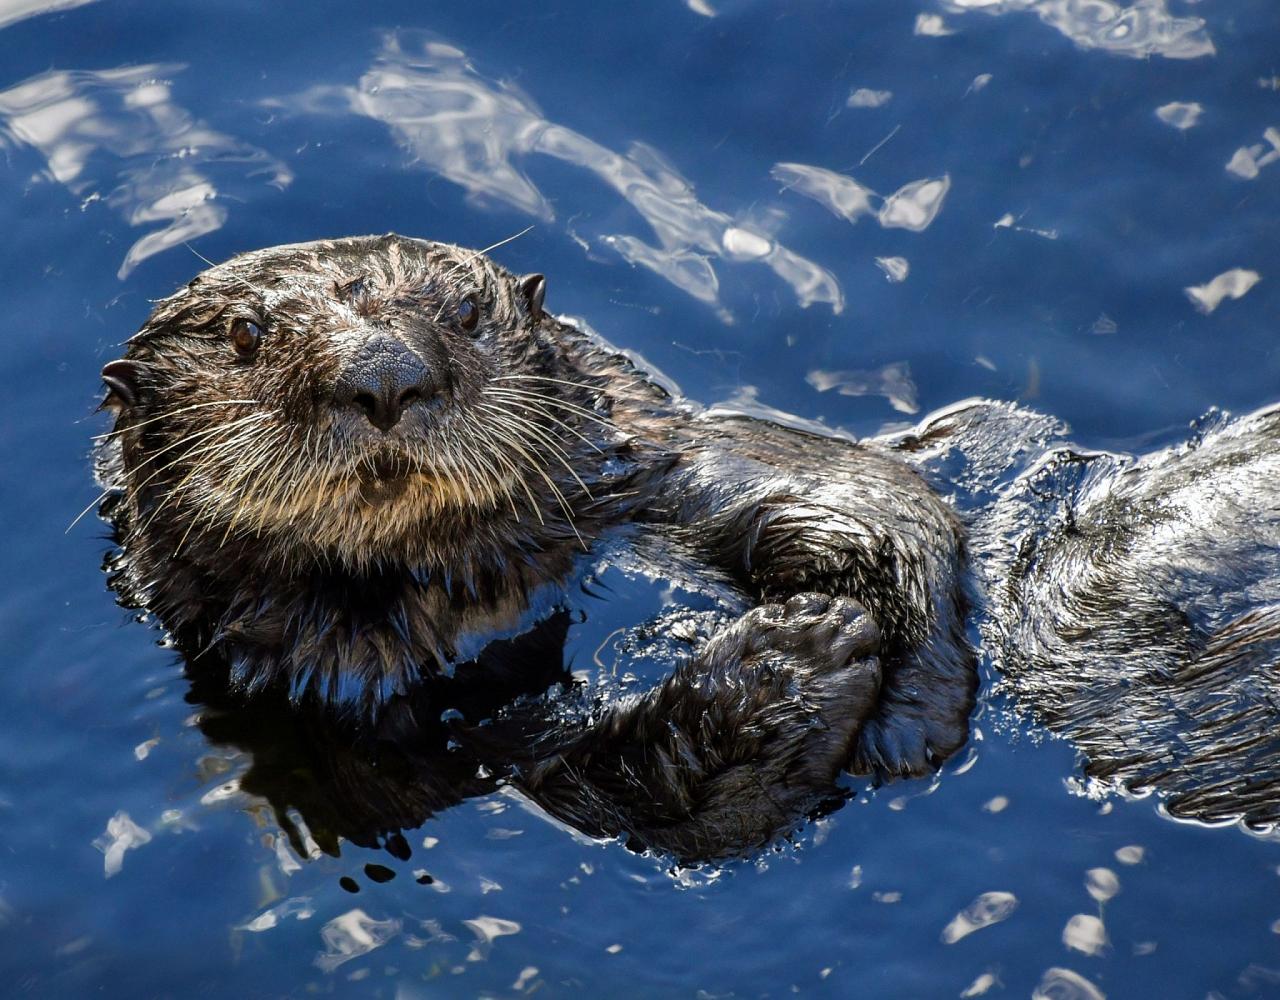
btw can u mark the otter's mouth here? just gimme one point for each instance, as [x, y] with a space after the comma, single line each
[384, 475]
[386, 466]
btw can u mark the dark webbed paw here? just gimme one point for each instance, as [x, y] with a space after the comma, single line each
[777, 700]
[822, 633]
[922, 720]
[738, 744]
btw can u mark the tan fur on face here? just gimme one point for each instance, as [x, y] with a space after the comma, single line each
[254, 479]
[236, 449]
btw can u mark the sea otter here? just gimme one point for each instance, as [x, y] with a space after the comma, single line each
[360, 472]
[361, 478]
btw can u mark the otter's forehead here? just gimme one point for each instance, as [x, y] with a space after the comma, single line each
[388, 262]
[347, 284]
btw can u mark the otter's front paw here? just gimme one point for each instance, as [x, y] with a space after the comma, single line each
[737, 745]
[792, 684]
[816, 635]
[915, 728]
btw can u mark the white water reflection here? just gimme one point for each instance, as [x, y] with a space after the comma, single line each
[743, 244]
[1101, 883]
[476, 132]
[1248, 161]
[893, 382]
[299, 907]
[1063, 984]
[143, 750]
[1085, 933]
[1229, 285]
[1181, 115]
[12, 11]
[864, 97]
[931, 26]
[351, 935]
[913, 206]
[117, 136]
[980, 986]
[839, 194]
[1140, 29]
[1009, 221]
[979, 83]
[895, 269]
[989, 908]
[122, 834]
[487, 930]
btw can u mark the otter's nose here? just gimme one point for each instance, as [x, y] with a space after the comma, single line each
[383, 379]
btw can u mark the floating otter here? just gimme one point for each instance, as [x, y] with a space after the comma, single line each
[351, 470]
[361, 477]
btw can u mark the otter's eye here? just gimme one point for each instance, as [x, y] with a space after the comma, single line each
[246, 335]
[468, 313]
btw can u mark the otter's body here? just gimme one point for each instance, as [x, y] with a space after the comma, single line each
[1130, 604]
[341, 465]
[1142, 620]
[363, 475]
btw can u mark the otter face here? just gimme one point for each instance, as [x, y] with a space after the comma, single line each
[339, 394]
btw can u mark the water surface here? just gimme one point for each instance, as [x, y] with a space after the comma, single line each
[851, 211]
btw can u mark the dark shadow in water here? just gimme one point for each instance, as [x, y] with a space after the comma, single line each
[516, 718]
[424, 757]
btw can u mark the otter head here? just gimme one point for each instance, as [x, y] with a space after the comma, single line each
[357, 400]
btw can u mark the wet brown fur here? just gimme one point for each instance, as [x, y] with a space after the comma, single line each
[283, 535]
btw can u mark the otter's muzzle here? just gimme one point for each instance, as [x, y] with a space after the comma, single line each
[382, 380]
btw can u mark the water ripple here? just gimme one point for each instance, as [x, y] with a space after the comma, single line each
[913, 206]
[1142, 29]
[989, 908]
[352, 935]
[892, 381]
[122, 834]
[117, 136]
[12, 11]
[475, 131]
[1248, 161]
[1085, 933]
[1231, 284]
[1063, 984]
[1181, 115]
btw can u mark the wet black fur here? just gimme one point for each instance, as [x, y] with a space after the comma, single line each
[1132, 605]
[855, 656]
[1142, 617]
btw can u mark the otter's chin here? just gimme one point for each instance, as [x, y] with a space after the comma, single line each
[379, 491]
[385, 477]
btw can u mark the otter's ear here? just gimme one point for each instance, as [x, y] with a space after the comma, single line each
[534, 289]
[121, 378]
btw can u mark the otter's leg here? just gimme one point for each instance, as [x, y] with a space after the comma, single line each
[912, 589]
[847, 522]
[735, 747]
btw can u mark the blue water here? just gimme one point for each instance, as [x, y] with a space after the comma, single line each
[705, 188]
